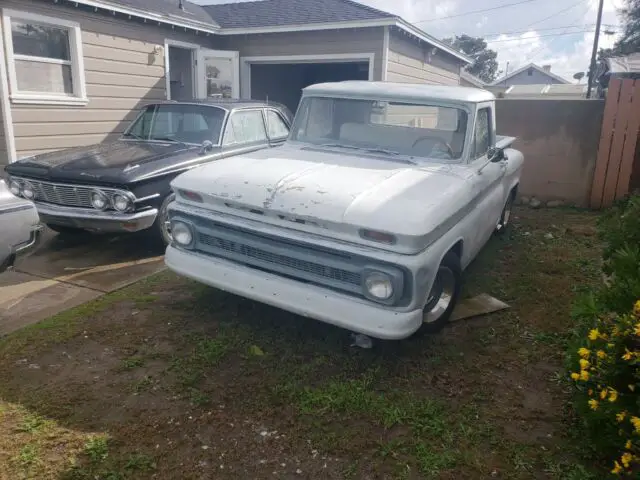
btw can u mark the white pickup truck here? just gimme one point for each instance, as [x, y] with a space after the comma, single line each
[365, 218]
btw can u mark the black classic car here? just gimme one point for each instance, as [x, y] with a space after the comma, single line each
[124, 185]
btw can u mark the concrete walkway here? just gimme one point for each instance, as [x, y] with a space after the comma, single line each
[65, 272]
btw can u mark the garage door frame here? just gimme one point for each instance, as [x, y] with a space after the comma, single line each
[246, 62]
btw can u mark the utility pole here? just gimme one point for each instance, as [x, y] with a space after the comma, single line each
[594, 52]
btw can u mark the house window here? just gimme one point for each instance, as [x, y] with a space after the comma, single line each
[530, 71]
[44, 58]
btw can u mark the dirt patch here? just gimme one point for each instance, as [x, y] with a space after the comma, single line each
[187, 382]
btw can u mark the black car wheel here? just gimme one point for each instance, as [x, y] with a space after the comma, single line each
[161, 228]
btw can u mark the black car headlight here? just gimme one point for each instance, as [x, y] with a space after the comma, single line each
[15, 187]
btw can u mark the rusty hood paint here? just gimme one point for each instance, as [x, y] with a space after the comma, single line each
[332, 188]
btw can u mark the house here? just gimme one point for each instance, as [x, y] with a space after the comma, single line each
[530, 74]
[74, 72]
[468, 80]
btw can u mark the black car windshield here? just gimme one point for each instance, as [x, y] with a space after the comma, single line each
[185, 123]
[417, 130]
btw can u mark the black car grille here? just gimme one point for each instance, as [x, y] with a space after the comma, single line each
[64, 194]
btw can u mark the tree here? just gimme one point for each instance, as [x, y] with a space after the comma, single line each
[630, 40]
[578, 76]
[485, 63]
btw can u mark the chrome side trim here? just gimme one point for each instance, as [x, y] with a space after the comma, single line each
[15, 208]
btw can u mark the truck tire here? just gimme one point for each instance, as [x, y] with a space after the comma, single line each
[505, 217]
[444, 295]
[159, 230]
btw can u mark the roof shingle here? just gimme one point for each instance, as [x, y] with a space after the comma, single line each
[170, 8]
[274, 13]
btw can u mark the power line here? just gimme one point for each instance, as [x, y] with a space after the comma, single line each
[585, 25]
[573, 5]
[475, 11]
[520, 39]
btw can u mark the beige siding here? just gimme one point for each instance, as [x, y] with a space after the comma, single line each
[4, 158]
[121, 73]
[323, 42]
[410, 62]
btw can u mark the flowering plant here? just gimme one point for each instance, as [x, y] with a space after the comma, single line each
[608, 375]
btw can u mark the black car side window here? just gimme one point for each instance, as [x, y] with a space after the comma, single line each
[245, 126]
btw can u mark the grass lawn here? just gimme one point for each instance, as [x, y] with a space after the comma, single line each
[169, 379]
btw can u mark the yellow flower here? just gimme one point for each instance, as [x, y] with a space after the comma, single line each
[626, 459]
[584, 352]
[613, 395]
[636, 423]
[601, 354]
[636, 329]
[603, 394]
[594, 334]
[620, 416]
[632, 387]
[575, 376]
[628, 445]
[584, 375]
[584, 364]
[636, 308]
[615, 331]
[617, 469]
[593, 404]
[627, 355]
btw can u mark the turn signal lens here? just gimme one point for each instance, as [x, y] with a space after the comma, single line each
[376, 236]
[189, 195]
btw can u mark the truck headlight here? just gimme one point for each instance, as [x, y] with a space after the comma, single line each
[122, 203]
[379, 285]
[181, 233]
[99, 200]
[15, 188]
[28, 191]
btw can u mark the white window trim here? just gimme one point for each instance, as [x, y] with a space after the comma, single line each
[77, 61]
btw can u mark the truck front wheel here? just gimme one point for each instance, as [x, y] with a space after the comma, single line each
[443, 296]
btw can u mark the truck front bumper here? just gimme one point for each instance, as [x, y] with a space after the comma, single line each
[303, 299]
[96, 220]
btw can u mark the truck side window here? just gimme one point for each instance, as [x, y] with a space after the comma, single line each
[482, 133]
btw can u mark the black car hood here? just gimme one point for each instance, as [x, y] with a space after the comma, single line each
[121, 161]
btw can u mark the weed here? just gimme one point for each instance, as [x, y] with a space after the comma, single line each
[132, 363]
[143, 384]
[28, 455]
[97, 448]
[140, 462]
[32, 423]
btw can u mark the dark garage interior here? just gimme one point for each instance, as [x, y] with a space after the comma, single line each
[284, 82]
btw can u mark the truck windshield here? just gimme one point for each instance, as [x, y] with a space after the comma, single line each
[412, 129]
[183, 123]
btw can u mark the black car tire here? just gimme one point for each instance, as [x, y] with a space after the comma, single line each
[159, 229]
[62, 230]
[451, 268]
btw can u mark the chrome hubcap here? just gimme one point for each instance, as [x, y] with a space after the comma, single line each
[441, 295]
[507, 214]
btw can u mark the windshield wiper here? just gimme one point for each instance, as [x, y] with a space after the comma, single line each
[137, 137]
[383, 151]
[169, 139]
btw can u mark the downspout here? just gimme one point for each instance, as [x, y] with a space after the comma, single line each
[7, 119]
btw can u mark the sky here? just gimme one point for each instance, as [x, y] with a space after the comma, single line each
[546, 32]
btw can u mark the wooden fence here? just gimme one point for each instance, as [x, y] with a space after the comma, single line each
[618, 163]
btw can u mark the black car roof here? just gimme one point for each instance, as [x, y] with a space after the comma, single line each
[228, 103]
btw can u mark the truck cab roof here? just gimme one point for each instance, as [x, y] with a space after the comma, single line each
[400, 91]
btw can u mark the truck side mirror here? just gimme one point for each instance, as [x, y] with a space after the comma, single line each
[495, 155]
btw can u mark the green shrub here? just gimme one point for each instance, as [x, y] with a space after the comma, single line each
[604, 357]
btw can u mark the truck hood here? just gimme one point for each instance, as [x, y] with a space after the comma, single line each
[114, 162]
[330, 189]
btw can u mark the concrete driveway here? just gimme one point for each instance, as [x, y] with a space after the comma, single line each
[65, 272]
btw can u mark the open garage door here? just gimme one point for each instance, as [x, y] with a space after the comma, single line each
[283, 82]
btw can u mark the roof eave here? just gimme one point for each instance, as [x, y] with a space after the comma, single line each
[404, 25]
[380, 22]
[168, 20]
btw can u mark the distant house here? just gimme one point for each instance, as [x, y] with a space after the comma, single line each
[530, 74]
